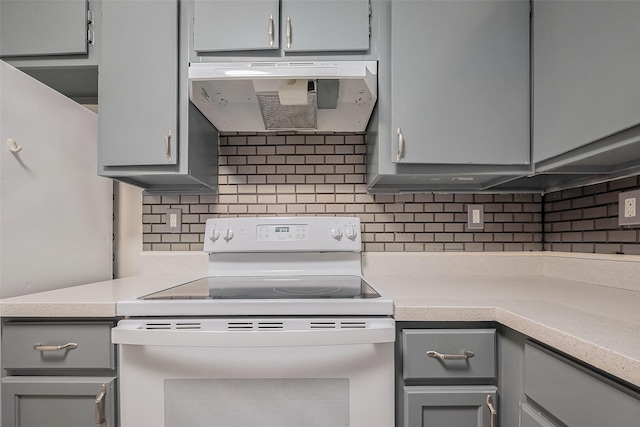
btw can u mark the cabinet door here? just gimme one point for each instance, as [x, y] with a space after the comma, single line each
[37, 27]
[574, 395]
[586, 62]
[437, 406]
[325, 25]
[529, 417]
[227, 25]
[58, 401]
[138, 83]
[460, 81]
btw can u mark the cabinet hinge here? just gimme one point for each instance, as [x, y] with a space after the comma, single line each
[370, 14]
[91, 37]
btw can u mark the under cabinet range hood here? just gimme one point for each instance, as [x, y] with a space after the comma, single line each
[334, 96]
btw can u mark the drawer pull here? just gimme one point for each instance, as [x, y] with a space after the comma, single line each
[100, 404]
[494, 413]
[465, 355]
[43, 347]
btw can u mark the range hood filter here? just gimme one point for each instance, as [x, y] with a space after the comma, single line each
[279, 117]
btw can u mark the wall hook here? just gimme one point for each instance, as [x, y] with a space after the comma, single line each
[13, 147]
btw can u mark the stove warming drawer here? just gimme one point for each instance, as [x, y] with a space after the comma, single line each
[247, 372]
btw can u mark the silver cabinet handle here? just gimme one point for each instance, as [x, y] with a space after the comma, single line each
[100, 419]
[463, 356]
[167, 145]
[288, 32]
[494, 413]
[400, 145]
[271, 31]
[44, 347]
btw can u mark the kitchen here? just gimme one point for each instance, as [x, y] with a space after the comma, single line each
[326, 174]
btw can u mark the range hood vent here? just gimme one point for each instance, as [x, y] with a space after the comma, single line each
[277, 96]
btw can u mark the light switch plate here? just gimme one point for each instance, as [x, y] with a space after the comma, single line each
[475, 217]
[628, 204]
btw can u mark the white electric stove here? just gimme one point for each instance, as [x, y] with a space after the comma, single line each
[283, 331]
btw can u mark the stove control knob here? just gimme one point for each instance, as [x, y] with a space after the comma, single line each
[215, 235]
[336, 233]
[351, 232]
[228, 234]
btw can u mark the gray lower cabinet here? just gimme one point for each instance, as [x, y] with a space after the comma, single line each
[150, 135]
[58, 373]
[453, 102]
[59, 401]
[461, 406]
[574, 395]
[287, 25]
[529, 417]
[446, 377]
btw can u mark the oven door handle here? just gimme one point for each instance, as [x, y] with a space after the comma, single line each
[132, 333]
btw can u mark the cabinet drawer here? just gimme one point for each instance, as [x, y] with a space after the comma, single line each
[439, 353]
[93, 351]
[574, 395]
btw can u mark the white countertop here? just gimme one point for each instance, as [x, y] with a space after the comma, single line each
[597, 324]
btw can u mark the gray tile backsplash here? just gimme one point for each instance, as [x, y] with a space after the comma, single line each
[292, 175]
[585, 219]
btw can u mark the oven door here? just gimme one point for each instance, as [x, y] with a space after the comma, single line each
[256, 372]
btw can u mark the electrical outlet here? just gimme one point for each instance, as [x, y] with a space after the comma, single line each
[174, 220]
[627, 208]
[475, 217]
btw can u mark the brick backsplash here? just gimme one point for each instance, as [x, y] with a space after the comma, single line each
[293, 175]
[586, 220]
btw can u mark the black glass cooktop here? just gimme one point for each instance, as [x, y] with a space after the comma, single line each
[268, 287]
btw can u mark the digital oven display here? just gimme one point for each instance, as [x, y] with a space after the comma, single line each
[266, 233]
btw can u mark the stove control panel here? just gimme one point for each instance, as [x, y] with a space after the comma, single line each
[286, 234]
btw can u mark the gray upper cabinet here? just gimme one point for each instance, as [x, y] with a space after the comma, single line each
[586, 62]
[290, 25]
[54, 41]
[453, 95]
[460, 82]
[229, 25]
[35, 27]
[150, 135]
[138, 106]
[325, 25]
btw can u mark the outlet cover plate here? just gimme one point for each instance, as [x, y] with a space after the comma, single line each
[630, 220]
[478, 210]
[178, 220]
